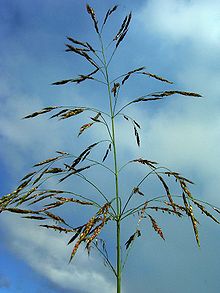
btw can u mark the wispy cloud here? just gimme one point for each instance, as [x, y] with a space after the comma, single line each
[190, 21]
[48, 254]
[184, 132]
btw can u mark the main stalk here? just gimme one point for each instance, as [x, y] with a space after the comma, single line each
[118, 203]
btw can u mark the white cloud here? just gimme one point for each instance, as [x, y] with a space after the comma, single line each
[196, 20]
[185, 133]
[46, 252]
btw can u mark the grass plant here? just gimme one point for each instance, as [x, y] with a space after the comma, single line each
[33, 200]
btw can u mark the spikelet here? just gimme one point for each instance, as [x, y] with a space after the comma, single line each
[115, 88]
[78, 231]
[167, 210]
[35, 218]
[59, 113]
[81, 156]
[137, 190]
[71, 113]
[137, 136]
[54, 170]
[25, 196]
[127, 75]
[142, 214]
[62, 82]
[132, 238]
[83, 235]
[143, 99]
[66, 199]
[145, 162]
[22, 186]
[62, 152]
[216, 209]
[91, 11]
[96, 118]
[109, 12]
[55, 217]
[20, 211]
[107, 152]
[47, 161]
[27, 176]
[170, 93]
[185, 189]
[76, 50]
[77, 42]
[157, 77]
[202, 208]
[92, 50]
[167, 191]
[84, 127]
[181, 208]
[52, 205]
[135, 122]
[194, 223]
[97, 231]
[43, 111]
[75, 171]
[156, 227]
[123, 30]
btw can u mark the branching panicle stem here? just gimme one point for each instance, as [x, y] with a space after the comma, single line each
[118, 201]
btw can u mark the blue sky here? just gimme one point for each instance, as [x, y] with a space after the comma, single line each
[179, 40]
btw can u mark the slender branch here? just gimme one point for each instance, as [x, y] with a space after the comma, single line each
[125, 106]
[94, 185]
[132, 193]
[106, 259]
[106, 124]
[116, 100]
[98, 80]
[138, 208]
[110, 59]
[101, 164]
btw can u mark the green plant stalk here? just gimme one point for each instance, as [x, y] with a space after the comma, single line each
[118, 203]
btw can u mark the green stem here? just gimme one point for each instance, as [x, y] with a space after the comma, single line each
[118, 201]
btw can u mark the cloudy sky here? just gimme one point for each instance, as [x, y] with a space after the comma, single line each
[179, 40]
